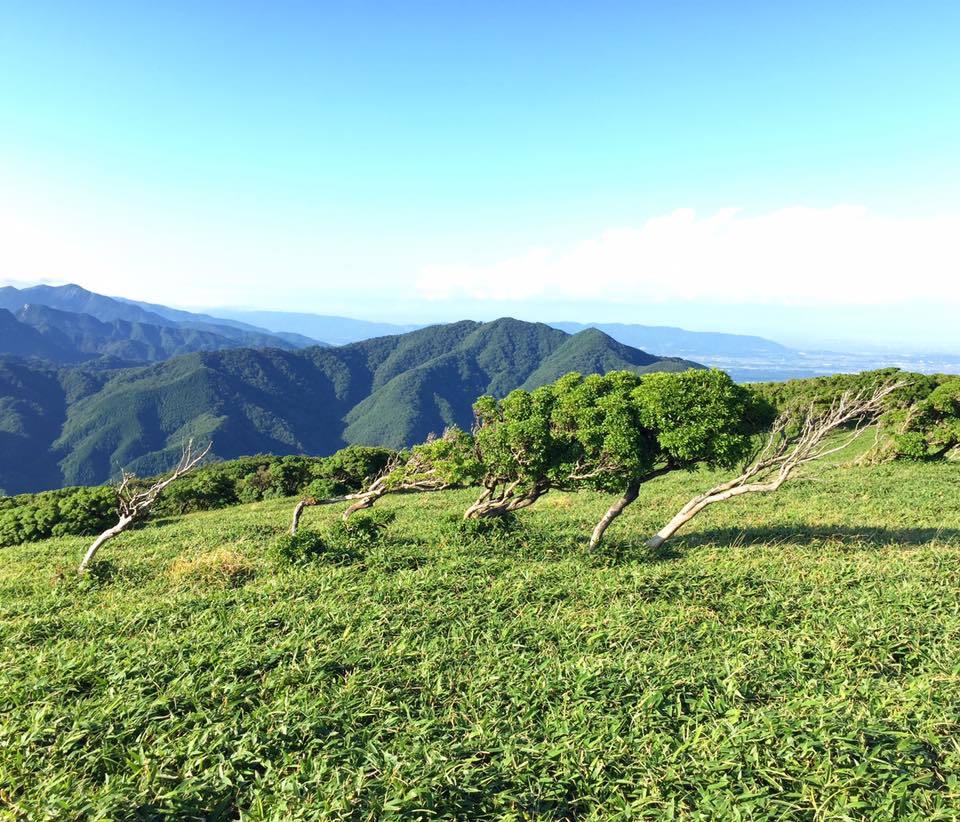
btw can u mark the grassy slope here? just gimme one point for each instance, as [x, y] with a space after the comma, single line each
[796, 655]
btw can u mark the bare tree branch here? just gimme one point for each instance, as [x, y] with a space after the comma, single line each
[786, 449]
[416, 473]
[135, 506]
[491, 504]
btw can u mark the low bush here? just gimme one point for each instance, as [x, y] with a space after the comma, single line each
[339, 543]
[85, 511]
[930, 429]
[362, 531]
[307, 546]
[32, 517]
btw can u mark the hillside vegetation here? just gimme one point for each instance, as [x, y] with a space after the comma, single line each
[65, 337]
[791, 656]
[67, 324]
[81, 425]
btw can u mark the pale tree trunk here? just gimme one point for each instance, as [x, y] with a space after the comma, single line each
[105, 537]
[365, 500]
[133, 506]
[614, 511]
[697, 504]
[488, 506]
[297, 513]
[308, 502]
[785, 452]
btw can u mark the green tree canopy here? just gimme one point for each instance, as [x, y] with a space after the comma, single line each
[633, 429]
[930, 429]
[609, 432]
[522, 450]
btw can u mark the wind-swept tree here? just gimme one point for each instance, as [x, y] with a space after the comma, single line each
[609, 432]
[798, 437]
[522, 453]
[439, 463]
[633, 429]
[134, 506]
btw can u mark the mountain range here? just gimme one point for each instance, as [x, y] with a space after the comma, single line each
[657, 339]
[680, 342]
[68, 324]
[329, 328]
[90, 383]
[79, 424]
[292, 330]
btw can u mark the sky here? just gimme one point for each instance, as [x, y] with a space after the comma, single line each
[791, 170]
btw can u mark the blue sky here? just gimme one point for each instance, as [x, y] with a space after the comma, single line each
[433, 161]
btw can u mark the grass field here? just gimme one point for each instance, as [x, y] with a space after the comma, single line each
[793, 656]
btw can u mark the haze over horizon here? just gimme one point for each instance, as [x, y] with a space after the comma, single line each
[745, 169]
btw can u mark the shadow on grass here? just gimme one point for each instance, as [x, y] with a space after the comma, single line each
[612, 552]
[860, 536]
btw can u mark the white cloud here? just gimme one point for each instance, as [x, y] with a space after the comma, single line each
[843, 255]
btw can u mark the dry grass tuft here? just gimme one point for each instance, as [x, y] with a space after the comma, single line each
[221, 568]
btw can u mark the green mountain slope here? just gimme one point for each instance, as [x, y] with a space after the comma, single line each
[490, 358]
[662, 338]
[33, 403]
[387, 391]
[72, 337]
[21, 340]
[591, 351]
[145, 320]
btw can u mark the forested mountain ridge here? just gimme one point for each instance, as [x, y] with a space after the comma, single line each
[82, 426]
[67, 337]
[80, 325]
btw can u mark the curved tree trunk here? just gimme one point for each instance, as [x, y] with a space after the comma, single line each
[614, 511]
[785, 452]
[105, 537]
[297, 513]
[490, 506]
[135, 505]
[365, 500]
[307, 502]
[719, 494]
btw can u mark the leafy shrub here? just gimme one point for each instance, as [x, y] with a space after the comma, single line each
[86, 511]
[83, 511]
[308, 546]
[339, 543]
[348, 470]
[296, 549]
[322, 488]
[930, 429]
[256, 486]
[69, 511]
[363, 530]
[910, 445]
[204, 491]
[448, 461]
